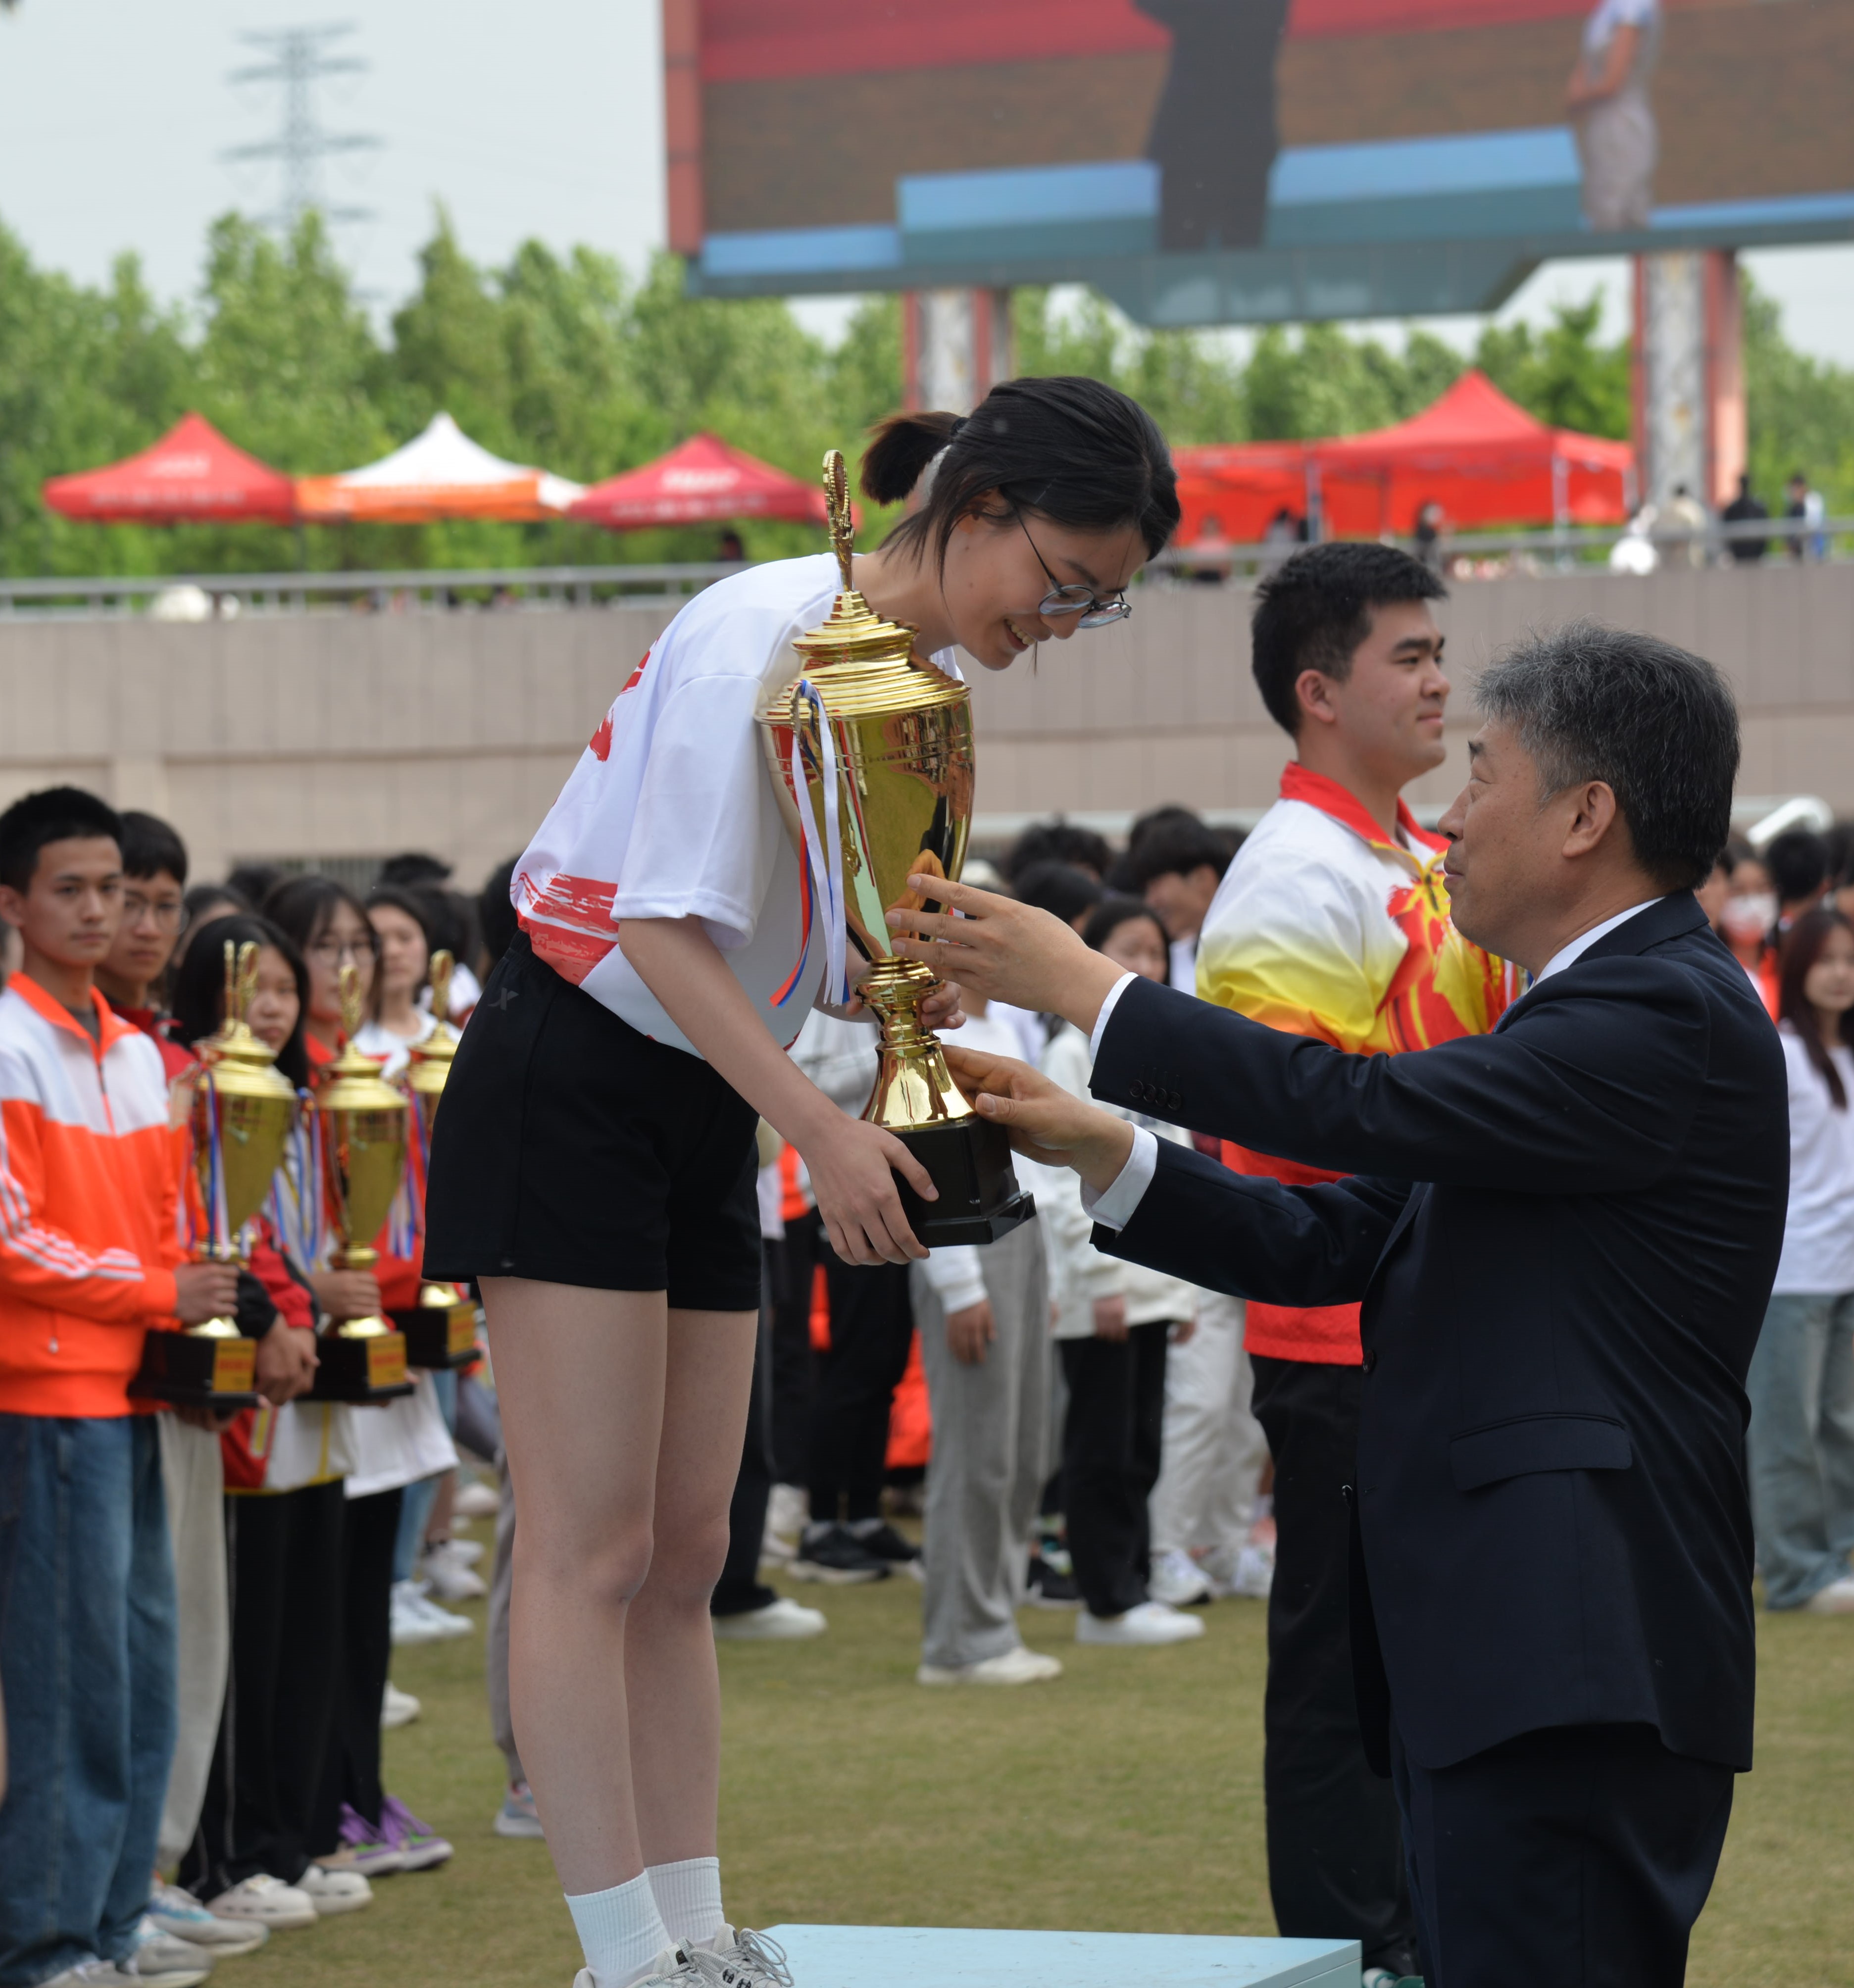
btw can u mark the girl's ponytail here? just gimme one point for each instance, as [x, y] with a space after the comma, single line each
[900, 449]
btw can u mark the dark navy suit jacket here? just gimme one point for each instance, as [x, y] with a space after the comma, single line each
[1564, 1234]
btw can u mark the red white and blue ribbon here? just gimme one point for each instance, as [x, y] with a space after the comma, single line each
[822, 885]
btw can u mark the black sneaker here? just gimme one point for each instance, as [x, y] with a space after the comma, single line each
[1050, 1587]
[834, 1554]
[886, 1544]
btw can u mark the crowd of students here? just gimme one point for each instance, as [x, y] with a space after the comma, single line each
[197, 1615]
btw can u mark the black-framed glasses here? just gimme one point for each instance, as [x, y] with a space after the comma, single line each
[1075, 598]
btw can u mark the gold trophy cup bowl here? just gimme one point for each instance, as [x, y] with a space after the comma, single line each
[364, 1158]
[441, 1329]
[242, 1113]
[873, 744]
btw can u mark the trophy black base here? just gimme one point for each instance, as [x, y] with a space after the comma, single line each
[195, 1373]
[360, 1371]
[980, 1201]
[439, 1336]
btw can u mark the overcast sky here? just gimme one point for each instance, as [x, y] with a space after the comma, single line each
[526, 118]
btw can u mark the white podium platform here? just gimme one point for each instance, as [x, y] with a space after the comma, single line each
[825, 1956]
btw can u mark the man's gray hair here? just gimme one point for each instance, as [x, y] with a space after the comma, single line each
[1656, 724]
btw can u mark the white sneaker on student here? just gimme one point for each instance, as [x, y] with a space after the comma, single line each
[671, 1969]
[1017, 1666]
[410, 1622]
[1254, 1572]
[742, 1959]
[1150, 1622]
[181, 1915]
[268, 1900]
[331, 1890]
[475, 1499]
[91, 1973]
[451, 1578]
[159, 1957]
[1836, 1599]
[1177, 1579]
[398, 1708]
[781, 1620]
[785, 1513]
[469, 1551]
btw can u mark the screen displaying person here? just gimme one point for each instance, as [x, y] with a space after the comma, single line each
[1214, 134]
[1608, 101]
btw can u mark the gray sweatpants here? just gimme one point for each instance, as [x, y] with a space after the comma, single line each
[984, 1483]
[193, 1478]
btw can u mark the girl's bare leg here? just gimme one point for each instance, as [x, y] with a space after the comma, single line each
[623, 1423]
[579, 1375]
[670, 1675]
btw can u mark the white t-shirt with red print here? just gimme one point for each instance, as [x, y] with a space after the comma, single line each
[671, 811]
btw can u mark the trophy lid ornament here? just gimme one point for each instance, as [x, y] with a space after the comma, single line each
[428, 1065]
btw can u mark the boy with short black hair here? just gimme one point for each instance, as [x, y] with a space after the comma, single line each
[132, 975]
[1176, 867]
[90, 1170]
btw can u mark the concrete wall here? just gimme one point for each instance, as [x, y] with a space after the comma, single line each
[328, 735]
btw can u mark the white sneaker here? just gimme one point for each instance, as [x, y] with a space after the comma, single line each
[158, 1957]
[742, 1959]
[782, 1621]
[92, 1973]
[475, 1499]
[1836, 1599]
[1254, 1572]
[1017, 1666]
[1177, 1579]
[1150, 1622]
[786, 1511]
[411, 1623]
[180, 1915]
[331, 1890]
[671, 1969]
[267, 1901]
[470, 1552]
[449, 1577]
[398, 1708]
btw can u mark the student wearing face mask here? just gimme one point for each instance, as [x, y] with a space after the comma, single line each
[1747, 918]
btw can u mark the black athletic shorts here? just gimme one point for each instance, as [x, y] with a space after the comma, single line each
[572, 1149]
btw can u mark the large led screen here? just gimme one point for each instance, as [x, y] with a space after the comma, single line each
[1207, 159]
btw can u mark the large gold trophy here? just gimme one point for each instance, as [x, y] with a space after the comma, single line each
[363, 1155]
[870, 748]
[441, 1329]
[242, 1113]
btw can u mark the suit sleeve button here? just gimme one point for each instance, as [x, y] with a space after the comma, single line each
[1371, 1359]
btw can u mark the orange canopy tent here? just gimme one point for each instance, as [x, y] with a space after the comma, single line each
[1478, 455]
[700, 480]
[437, 475]
[192, 476]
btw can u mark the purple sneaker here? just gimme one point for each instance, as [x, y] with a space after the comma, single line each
[366, 1849]
[417, 1846]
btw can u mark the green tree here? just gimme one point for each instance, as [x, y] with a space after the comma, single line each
[1562, 374]
[1800, 412]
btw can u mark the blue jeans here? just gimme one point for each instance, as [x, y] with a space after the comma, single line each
[415, 1510]
[1800, 1446]
[86, 1658]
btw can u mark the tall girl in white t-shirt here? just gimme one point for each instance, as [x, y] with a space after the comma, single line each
[1800, 1446]
[594, 1163]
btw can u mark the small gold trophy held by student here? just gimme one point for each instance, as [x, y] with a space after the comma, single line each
[441, 1329]
[870, 748]
[242, 1113]
[364, 1159]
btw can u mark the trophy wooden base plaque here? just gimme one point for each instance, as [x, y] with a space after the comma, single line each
[980, 1199]
[193, 1371]
[360, 1370]
[439, 1336]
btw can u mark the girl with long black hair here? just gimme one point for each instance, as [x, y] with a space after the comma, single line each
[593, 1163]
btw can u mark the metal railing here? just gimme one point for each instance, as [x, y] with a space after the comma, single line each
[430, 590]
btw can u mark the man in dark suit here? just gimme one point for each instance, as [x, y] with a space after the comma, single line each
[1563, 1234]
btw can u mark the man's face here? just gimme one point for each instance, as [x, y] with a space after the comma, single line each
[69, 912]
[1181, 898]
[1390, 707]
[1503, 855]
[150, 929]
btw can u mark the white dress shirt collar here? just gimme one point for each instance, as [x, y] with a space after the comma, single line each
[1567, 955]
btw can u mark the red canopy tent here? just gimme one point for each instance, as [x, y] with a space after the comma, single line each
[1478, 455]
[701, 480]
[193, 475]
[1482, 458]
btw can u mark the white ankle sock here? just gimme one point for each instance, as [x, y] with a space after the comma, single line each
[689, 1896]
[621, 1930]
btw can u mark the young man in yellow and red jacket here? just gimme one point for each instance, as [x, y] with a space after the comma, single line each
[91, 1167]
[1333, 922]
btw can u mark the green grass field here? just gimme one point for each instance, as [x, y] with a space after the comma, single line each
[1125, 1795]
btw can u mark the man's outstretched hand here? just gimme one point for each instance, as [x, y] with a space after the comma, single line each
[1045, 1123]
[1005, 952]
